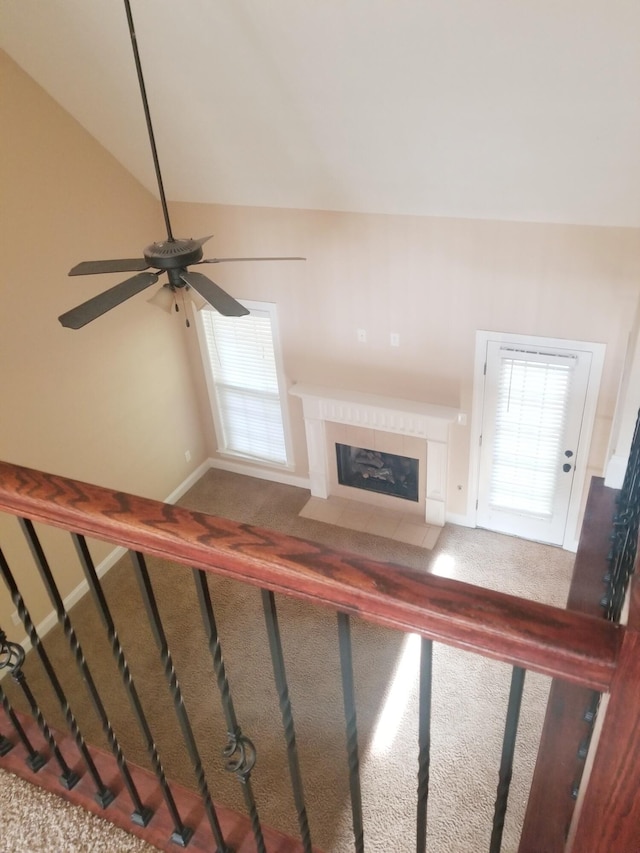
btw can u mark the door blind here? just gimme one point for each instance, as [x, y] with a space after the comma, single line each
[245, 378]
[533, 397]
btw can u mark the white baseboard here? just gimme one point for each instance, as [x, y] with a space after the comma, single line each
[272, 474]
[191, 480]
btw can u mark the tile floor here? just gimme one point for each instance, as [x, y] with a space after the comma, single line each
[392, 524]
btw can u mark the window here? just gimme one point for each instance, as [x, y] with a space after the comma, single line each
[246, 383]
[530, 430]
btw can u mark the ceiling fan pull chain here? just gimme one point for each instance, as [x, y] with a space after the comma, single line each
[184, 308]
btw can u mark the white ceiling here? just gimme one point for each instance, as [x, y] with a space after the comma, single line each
[505, 109]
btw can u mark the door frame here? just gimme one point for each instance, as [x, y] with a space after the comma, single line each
[597, 350]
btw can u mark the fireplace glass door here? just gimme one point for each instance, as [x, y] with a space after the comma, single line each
[385, 473]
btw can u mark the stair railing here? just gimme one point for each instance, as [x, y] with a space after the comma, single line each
[529, 636]
[605, 562]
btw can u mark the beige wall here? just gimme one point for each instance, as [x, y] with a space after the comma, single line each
[112, 403]
[434, 282]
[115, 404]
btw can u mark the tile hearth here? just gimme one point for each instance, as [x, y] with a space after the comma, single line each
[392, 524]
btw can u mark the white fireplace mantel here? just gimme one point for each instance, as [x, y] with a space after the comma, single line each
[386, 414]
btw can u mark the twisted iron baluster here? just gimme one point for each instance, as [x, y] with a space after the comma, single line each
[591, 712]
[424, 741]
[179, 829]
[349, 699]
[5, 745]
[624, 536]
[12, 657]
[240, 751]
[153, 613]
[103, 795]
[506, 762]
[280, 677]
[142, 814]
[620, 559]
[34, 759]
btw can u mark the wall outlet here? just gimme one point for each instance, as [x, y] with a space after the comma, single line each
[361, 334]
[187, 455]
[394, 339]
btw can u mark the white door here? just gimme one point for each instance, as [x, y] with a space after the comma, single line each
[534, 405]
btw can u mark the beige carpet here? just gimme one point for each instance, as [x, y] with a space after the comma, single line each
[469, 692]
[32, 821]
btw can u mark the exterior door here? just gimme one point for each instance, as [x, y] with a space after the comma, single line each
[532, 421]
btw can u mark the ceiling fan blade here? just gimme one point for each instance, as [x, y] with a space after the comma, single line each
[103, 302]
[225, 260]
[214, 295]
[202, 240]
[120, 265]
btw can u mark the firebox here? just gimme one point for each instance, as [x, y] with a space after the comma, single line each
[385, 473]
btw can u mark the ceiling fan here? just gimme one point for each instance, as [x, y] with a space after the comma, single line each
[172, 255]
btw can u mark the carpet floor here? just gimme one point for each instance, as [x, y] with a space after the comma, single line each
[469, 692]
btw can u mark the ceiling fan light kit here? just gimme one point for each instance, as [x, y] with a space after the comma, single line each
[163, 299]
[198, 301]
[171, 256]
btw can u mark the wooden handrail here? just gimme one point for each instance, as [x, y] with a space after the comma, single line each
[546, 639]
[559, 766]
[607, 817]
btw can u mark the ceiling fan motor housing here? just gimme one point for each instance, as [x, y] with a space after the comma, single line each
[173, 254]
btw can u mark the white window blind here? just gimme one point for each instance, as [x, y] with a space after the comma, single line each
[245, 382]
[531, 414]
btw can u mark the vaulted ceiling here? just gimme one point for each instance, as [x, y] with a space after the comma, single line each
[505, 109]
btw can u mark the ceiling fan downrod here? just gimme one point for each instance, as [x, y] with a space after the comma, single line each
[147, 115]
[171, 256]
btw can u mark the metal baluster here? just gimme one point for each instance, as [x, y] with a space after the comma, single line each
[240, 751]
[506, 762]
[624, 559]
[280, 677]
[13, 655]
[141, 814]
[631, 473]
[153, 613]
[349, 699]
[624, 535]
[591, 712]
[103, 795]
[5, 745]
[34, 759]
[424, 741]
[180, 831]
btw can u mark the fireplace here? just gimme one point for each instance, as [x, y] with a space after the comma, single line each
[370, 415]
[385, 473]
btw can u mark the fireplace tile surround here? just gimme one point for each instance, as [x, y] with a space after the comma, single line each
[386, 424]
